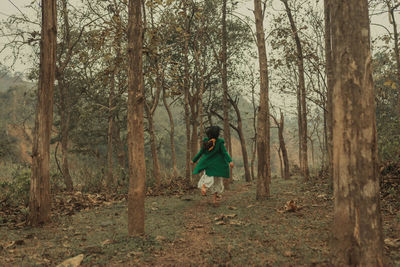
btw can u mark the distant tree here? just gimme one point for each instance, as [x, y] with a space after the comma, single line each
[357, 226]
[39, 198]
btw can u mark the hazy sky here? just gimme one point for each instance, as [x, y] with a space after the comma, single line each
[245, 8]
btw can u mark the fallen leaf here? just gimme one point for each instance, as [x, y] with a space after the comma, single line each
[232, 208]
[107, 242]
[219, 218]
[72, 262]
[236, 222]
[231, 216]
[392, 242]
[250, 206]
[9, 244]
[288, 253]
[220, 223]
[160, 238]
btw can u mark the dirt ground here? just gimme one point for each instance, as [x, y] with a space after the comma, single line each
[186, 230]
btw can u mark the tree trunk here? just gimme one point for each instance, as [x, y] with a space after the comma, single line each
[280, 161]
[302, 91]
[39, 198]
[110, 177]
[186, 87]
[357, 223]
[65, 116]
[392, 21]
[224, 70]
[120, 145]
[330, 81]
[137, 163]
[153, 145]
[247, 175]
[263, 145]
[171, 135]
[282, 146]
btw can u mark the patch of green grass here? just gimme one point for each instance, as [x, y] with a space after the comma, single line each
[101, 234]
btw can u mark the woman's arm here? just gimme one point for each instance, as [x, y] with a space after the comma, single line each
[225, 153]
[197, 157]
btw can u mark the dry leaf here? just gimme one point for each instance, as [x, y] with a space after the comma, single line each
[107, 242]
[232, 208]
[236, 222]
[9, 244]
[392, 242]
[220, 223]
[160, 238]
[288, 253]
[219, 218]
[72, 262]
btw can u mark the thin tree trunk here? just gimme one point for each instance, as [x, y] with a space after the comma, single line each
[278, 150]
[357, 227]
[282, 146]
[392, 21]
[247, 175]
[39, 198]
[120, 145]
[65, 115]
[171, 135]
[263, 132]
[330, 81]
[110, 177]
[153, 145]
[137, 163]
[302, 90]
[227, 134]
[186, 87]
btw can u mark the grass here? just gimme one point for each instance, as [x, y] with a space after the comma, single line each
[183, 230]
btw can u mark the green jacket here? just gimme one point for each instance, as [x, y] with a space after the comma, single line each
[215, 162]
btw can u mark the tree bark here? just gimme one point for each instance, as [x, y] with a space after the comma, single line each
[357, 226]
[110, 177]
[153, 145]
[282, 146]
[137, 163]
[247, 175]
[263, 132]
[224, 70]
[302, 91]
[330, 81]
[186, 90]
[65, 108]
[120, 145]
[171, 135]
[392, 21]
[39, 198]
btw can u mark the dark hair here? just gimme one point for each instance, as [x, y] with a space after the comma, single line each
[212, 132]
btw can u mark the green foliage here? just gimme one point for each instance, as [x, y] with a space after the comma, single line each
[16, 191]
[387, 111]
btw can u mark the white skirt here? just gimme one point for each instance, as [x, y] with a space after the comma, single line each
[212, 183]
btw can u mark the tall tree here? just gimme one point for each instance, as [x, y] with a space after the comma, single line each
[301, 94]
[329, 76]
[357, 221]
[282, 146]
[263, 132]
[224, 73]
[39, 198]
[136, 98]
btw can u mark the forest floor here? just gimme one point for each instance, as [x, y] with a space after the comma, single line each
[187, 230]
